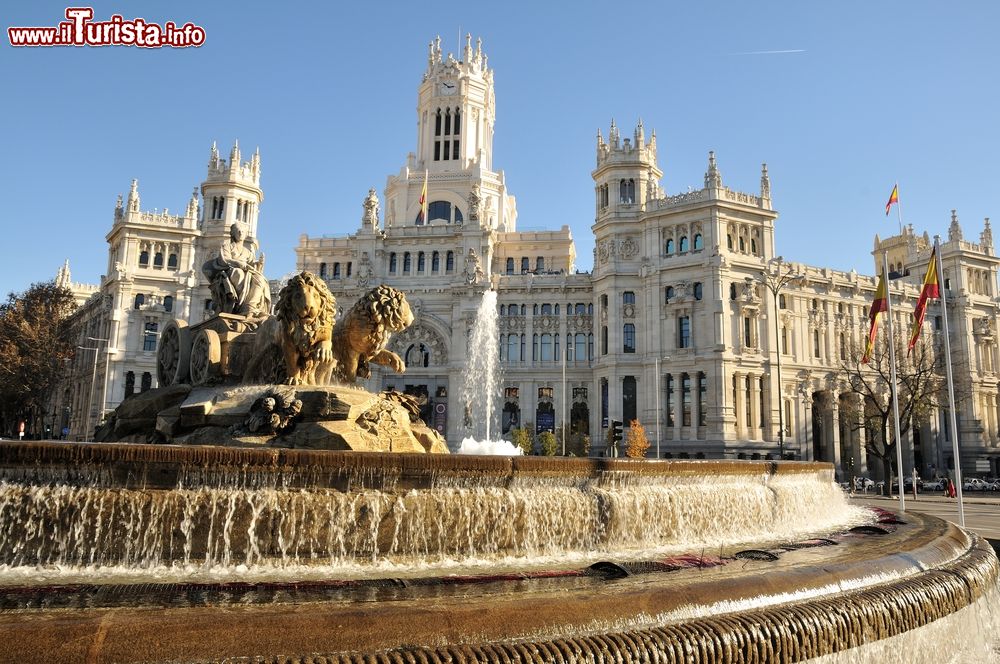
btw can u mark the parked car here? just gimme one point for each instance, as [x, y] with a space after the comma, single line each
[936, 484]
[863, 484]
[975, 484]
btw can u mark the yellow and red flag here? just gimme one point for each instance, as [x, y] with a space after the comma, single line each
[893, 198]
[878, 307]
[422, 215]
[930, 289]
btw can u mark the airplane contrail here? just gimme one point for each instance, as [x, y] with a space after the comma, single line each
[790, 50]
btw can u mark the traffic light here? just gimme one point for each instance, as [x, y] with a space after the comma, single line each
[616, 432]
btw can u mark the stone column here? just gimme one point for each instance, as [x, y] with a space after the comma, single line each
[861, 464]
[806, 419]
[835, 430]
[754, 408]
[738, 406]
[678, 406]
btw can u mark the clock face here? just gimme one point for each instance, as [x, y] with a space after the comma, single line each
[447, 87]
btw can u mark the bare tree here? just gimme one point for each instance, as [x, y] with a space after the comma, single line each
[34, 341]
[920, 388]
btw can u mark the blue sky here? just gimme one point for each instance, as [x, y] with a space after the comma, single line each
[876, 92]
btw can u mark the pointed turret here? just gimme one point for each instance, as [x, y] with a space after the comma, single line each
[713, 179]
[613, 135]
[192, 207]
[63, 279]
[213, 157]
[765, 183]
[640, 135]
[954, 230]
[234, 155]
[133, 197]
[986, 237]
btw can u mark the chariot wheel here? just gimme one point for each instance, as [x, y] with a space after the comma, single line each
[206, 357]
[173, 353]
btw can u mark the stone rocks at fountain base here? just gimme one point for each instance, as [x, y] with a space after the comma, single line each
[318, 418]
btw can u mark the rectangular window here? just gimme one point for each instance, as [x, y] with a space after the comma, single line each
[349, 266]
[546, 355]
[684, 332]
[629, 338]
[545, 392]
[784, 340]
[788, 418]
[702, 394]
[670, 400]
[437, 150]
[580, 393]
[149, 337]
[454, 147]
[747, 402]
[747, 341]
[604, 340]
[446, 151]
[510, 392]
[816, 343]
[685, 400]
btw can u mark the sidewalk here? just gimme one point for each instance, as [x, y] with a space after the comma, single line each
[968, 497]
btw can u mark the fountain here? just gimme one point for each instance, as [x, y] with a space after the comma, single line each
[258, 552]
[482, 374]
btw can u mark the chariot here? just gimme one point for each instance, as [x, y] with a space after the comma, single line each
[213, 351]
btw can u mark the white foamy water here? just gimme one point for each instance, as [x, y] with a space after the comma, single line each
[489, 447]
[481, 389]
[104, 535]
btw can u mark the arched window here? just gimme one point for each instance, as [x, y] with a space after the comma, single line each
[556, 309]
[140, 300]
[437, 123]
[417, 355]
[580, 309]
[669, 247]
[172, 261]
[458, 212]
[628, 337]
[540, 264]
[697, 290]
[782, 302]
[322, 270]
[753, 246]
[168, 303]
[546, 309]
[158, 259]
[668, 294]
[435, 262]
[510, 266]
[729, 242]
[525, 265]
[144, 258]
[698, 242]
[449, 262]
[421, 262]
[732, 291]
[628, 297]
[743, 245]
[406, 262]
[336, 270]
[392, 263]
[682, 246]
[503, 308]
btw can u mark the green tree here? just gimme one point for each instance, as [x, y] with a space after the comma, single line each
[548, 442]
[636, 442]
[522, 439]
[578, 444]
[35, 339]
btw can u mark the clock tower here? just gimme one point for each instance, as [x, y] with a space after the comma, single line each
[456, 112]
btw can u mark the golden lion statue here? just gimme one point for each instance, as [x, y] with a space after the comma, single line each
[361, 337]
[302, 330]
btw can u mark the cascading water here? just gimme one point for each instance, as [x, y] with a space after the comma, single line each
[482, 375]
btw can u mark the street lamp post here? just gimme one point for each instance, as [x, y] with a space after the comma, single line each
[775, 282]
[93, 380]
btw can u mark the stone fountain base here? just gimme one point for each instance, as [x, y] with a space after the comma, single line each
[326, 418]
[337, 564]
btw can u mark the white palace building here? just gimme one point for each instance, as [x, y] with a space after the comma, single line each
[675, 326]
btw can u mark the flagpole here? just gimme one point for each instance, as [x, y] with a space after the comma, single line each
[892, 376]
[899, 209]
[951, 386]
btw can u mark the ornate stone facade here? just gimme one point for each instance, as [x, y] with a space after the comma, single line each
[672, 326]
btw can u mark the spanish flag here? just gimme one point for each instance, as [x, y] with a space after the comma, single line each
[893, 198]
[878, 307]
[422, 215]
[930, 289]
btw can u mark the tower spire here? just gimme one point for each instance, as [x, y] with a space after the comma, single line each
[133, 196]
[954, 230]
[765, 183]
[713, 179]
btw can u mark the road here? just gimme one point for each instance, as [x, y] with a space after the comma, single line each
[982, 511]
